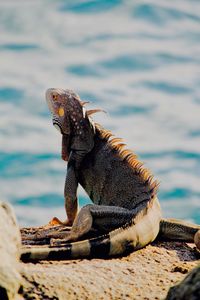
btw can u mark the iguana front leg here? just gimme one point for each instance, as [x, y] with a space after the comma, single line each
[70, 197]
[71, 185]
[70, 194]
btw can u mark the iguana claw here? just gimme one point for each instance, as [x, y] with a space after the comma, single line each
[55, 222]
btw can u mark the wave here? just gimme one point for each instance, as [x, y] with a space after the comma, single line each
[138, 61]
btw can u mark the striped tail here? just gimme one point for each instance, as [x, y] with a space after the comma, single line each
[132, 236]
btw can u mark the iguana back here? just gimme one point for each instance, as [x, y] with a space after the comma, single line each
[112, 175]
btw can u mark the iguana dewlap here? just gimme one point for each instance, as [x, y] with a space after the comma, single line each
[124, 193]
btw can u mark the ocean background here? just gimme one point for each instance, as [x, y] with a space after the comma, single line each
[138, 60]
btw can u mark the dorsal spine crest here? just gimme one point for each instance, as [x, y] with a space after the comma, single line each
[130, 157]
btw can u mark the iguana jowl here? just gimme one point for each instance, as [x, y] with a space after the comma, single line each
[125, 205]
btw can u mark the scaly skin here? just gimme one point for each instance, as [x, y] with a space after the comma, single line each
[122, 190]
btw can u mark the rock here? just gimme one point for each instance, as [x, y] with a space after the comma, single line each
[188, 289]
[10, 242]
[146, 274]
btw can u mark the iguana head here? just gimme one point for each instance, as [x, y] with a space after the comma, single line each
[66, 108]
[71, 119]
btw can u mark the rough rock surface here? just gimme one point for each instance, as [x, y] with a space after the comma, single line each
[145, 274]
[188, 289]
[10, 243]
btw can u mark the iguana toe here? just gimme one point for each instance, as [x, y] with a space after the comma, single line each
[55, 222]
[63, 239]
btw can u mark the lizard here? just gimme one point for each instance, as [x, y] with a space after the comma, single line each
[124, 193]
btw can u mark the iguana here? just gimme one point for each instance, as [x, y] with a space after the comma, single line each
[124, 193]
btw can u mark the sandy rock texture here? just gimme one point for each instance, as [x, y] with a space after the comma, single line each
[145, 274]
[10, 243]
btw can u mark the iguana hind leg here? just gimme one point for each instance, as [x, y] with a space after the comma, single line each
[46, 232]
[180, 230]
[105, 218]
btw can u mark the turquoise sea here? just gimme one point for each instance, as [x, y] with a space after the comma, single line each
[138, 60]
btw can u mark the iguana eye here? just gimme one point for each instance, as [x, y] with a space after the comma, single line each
[54, 97]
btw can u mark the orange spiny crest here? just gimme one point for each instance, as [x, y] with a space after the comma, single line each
[139, 170]
[115, 140]
[142, 171]
[93, 111]
[128, 154]
[155, 185]
[145, 174]
[106, 134]
[130, 157]
[119, 146]
[131, 160]
[83, 103]
[150, 179]
[137, 164]
[98, 126]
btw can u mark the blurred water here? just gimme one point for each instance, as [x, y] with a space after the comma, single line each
[138, 60]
